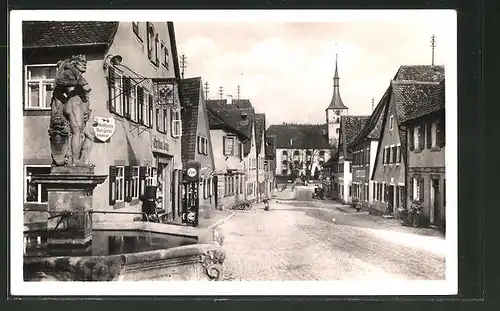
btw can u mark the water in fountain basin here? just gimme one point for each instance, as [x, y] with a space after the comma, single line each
[104, 243]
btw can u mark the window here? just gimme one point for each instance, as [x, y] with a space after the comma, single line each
[417, 139]
[337, 130]
[165, 120]
[382, 193]
[39, 85]
[350, 167]
[136, 29]
[120, 184]
[434, 133]
[157, 51]
[134, 185]
[394, 156]
[151, 176]
[151, 42]
[241, 183]
[164, 51]
[35, 193]
[115, 92]
[418, 189]
[147, 109]
[398, 154]
[391, 123]
[229, 145]
[176, 123]
[202, 145]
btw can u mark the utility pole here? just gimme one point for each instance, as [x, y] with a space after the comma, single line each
[221, 92]
[433, 46]
[238, 92]
[183, 64]
[373, 104]
[206, 90]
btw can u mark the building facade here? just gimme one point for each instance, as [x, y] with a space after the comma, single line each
[196, 140]
[145, 147]
[364, 150]
[229, 171]
[426, 178]
[301, 150]
[410, 86]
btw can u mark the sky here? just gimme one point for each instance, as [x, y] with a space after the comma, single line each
[286, 68]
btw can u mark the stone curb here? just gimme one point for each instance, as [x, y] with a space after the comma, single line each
[220, 222]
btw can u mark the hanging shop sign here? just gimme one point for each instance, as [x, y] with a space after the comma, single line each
[104, 128]
[164, 91]
[159, 145]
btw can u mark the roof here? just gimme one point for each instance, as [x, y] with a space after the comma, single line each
[189, 90]
[303, 136]
[216, 122]
[235, 103]
[37, 34]
[350, 127]
[422, 73]
[416, 99]
[373, 126]
[260, 127]
[336, 102]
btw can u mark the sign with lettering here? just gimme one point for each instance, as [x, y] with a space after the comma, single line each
[104, 128]
[160, 145]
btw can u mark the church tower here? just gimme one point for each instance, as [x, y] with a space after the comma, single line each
[335, 110]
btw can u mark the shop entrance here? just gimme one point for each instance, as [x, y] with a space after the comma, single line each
[164, 183]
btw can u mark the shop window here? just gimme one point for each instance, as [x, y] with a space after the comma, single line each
[39, 85]
[35, 193]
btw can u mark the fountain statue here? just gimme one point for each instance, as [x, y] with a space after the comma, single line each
[69, 245]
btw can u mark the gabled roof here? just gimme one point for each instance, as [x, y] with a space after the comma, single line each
[39, 34]
[190, 90]
[302, 136]
[260, 127]
[422, 73]
[373, 125]
[216, 122]
[419, 99]
[350, 127]
[235, 103]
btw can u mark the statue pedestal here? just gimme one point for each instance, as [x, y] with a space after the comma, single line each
[70, 190]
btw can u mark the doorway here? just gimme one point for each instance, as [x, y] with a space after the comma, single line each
[390, 199]
[435, 200]
[165, 185]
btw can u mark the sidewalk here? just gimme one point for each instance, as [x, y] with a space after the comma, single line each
[217, 218]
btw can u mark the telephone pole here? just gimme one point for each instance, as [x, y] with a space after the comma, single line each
[183, 64]
[239, 90]
[433, 46]
[221, 92]
[206, 89]
[373, 104]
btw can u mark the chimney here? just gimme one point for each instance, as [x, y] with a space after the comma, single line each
[229, 99]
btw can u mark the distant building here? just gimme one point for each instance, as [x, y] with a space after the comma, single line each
[270, 164]
[145, 148]
[411, 86]
[301, 149]
[424, 121]
[335, 110]
[196, 139]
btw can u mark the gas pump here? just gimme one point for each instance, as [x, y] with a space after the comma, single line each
[190, 202]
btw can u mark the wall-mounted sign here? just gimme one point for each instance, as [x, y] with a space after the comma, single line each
[193, 171]
[160, 145]
[104, 128]
[164, 91]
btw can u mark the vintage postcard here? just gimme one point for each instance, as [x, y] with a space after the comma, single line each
[271, 152]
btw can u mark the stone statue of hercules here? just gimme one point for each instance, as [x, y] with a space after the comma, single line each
[70, 113]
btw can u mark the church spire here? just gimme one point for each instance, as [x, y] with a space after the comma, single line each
[336, 102]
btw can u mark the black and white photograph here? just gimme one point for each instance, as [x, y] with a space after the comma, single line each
[269, 152]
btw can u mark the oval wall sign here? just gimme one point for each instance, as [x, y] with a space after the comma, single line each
[191, 172]
[104, 128]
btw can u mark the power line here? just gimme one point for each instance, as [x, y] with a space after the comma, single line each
[221, 92]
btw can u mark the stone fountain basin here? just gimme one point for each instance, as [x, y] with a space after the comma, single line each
[200, 261]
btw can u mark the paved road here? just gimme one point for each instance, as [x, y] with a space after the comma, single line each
[306, 242]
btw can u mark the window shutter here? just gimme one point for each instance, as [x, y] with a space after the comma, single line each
[142, 180]
[150, 116]
[421, 190]
[111, 83]
[429, 135]
[140, 101]
[399, 154]
[128, 182]
[112, 185]
[172, 119]
[198, 149]
[224, 145]
[165, 120]
[440, 135]
[126, 97]
[411, 141]
[148, 38]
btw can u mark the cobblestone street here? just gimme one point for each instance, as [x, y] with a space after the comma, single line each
[315, 241]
